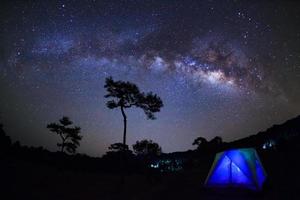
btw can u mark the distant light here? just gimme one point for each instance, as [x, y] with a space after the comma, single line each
[269, 144]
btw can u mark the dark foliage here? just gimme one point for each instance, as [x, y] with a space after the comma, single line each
[200, 142]
[126, 95]
[208, 147]
[5, 141]
[146, 148]
[117, 147]
[69, 135]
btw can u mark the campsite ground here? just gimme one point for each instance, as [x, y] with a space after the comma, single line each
[25, 180]
[31, 182]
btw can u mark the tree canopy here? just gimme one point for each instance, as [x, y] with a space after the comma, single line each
[146, 148]
[204, 145]
[126, 94]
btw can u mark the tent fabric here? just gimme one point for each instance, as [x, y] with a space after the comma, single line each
[237, 168]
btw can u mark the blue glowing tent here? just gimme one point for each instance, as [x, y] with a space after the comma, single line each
[237, 168]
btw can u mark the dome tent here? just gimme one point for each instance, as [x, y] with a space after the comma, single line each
[237, 168]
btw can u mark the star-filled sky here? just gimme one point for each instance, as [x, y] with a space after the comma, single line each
[222, 68]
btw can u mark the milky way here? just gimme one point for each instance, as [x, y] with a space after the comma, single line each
[227, 68]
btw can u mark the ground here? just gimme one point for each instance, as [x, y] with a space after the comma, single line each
[27, 180]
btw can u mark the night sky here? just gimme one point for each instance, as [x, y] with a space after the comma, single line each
[222, 68]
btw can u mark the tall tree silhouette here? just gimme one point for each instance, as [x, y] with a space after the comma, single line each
[69, 135]
[126, 95]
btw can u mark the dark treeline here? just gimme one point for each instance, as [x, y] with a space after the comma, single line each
[278, 138]
[109, 162]
[36, 172]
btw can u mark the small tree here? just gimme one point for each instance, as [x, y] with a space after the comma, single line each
[146, 148]
[126, 95]
[216, 144]
[200, 142]
[211, 146]
[216, 141]
[69, 135]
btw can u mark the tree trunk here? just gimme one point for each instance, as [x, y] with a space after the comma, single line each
[62, 143]
[122, 158]
[125, 126]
